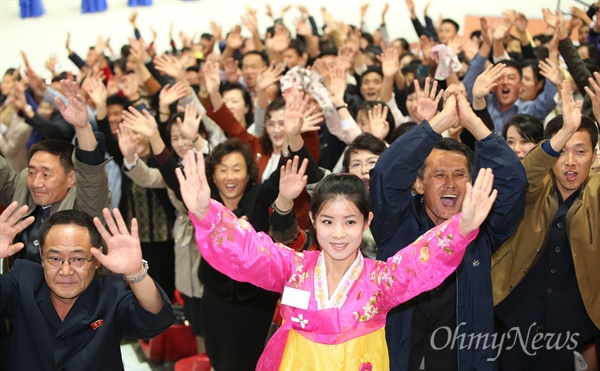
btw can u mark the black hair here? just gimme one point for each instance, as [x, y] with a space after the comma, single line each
[337, 187]
[410, 88]
[367, 36]
[60, 76]
[262, 56]
[118, 100]
[10, 71]
[59, 148]
[173, 121]
[265, 141]
[298, 46]
[541, 53]
[452, 22]
[245, 96]
[514, 64]
[403, 129]
[369, 105]
[476, 33]
[363, 142]
[71, 217]
[587, 123]
[534, 64]
[227, 147]
[330, 51]
[370, 69]
[543, 39]
[515, 56]
[592, 64]
[529, 127]
[206, 36]
[403, 42]
[450, 144]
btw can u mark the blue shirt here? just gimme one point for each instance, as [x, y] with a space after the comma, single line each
[540, 107]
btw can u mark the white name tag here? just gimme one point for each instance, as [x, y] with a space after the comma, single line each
[295, 298]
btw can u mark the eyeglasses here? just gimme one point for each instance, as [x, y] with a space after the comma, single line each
[76, 263]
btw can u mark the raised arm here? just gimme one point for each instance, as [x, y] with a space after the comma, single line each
[396, 170]
[11, 225]
[437, 253]
[76, 114]
[230, 244]
[124, 256]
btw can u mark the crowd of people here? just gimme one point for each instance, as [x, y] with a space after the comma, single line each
[321, 197]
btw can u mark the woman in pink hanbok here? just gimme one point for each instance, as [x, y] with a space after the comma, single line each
[334, 302]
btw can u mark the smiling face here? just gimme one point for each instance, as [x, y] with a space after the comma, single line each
[517, 143]
[574, 164]
[507, 90]
[114, 112]
[339, 225]
[444, 184]
[66, 241]
[251, 65]
[275, 129]
[48, 181]
[180, 144]
[530, 85]
[447, 32]
[234, 101]
[370, 86]
[361, 162]
[231, 177]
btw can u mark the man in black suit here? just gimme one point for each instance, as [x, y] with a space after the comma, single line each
[66, 317]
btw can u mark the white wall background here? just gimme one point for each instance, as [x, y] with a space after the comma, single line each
[39, 37]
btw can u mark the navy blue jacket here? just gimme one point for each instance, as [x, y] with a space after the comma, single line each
[40, 341]
[399, 218]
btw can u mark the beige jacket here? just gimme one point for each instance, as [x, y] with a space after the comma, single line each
[187, 255]
[514, 259]
[13, 143]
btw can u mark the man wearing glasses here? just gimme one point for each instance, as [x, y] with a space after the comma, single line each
[64, 316]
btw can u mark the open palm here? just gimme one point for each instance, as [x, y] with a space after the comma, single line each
[194, 186]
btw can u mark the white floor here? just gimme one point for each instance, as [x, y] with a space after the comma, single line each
[131, 361]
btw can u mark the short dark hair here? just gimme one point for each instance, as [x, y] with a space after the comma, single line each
[513, 64]
[265, 141]
[587, 123]
[59, 148]
[450, 144]
[230, 146]
[367, 36]
[402, 129]
[452, 22]
[117, 100]
[369, 105]
[403, 42]
[529, 127]
[329, 51]
[71, 217]
[262, 56]
[363, 142]
[298, 46]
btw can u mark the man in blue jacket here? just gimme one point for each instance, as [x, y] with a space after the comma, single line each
[450, 327]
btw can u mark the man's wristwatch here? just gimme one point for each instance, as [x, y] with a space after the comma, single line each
[141, 276]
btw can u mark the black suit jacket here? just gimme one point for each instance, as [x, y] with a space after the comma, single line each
[89, 337]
